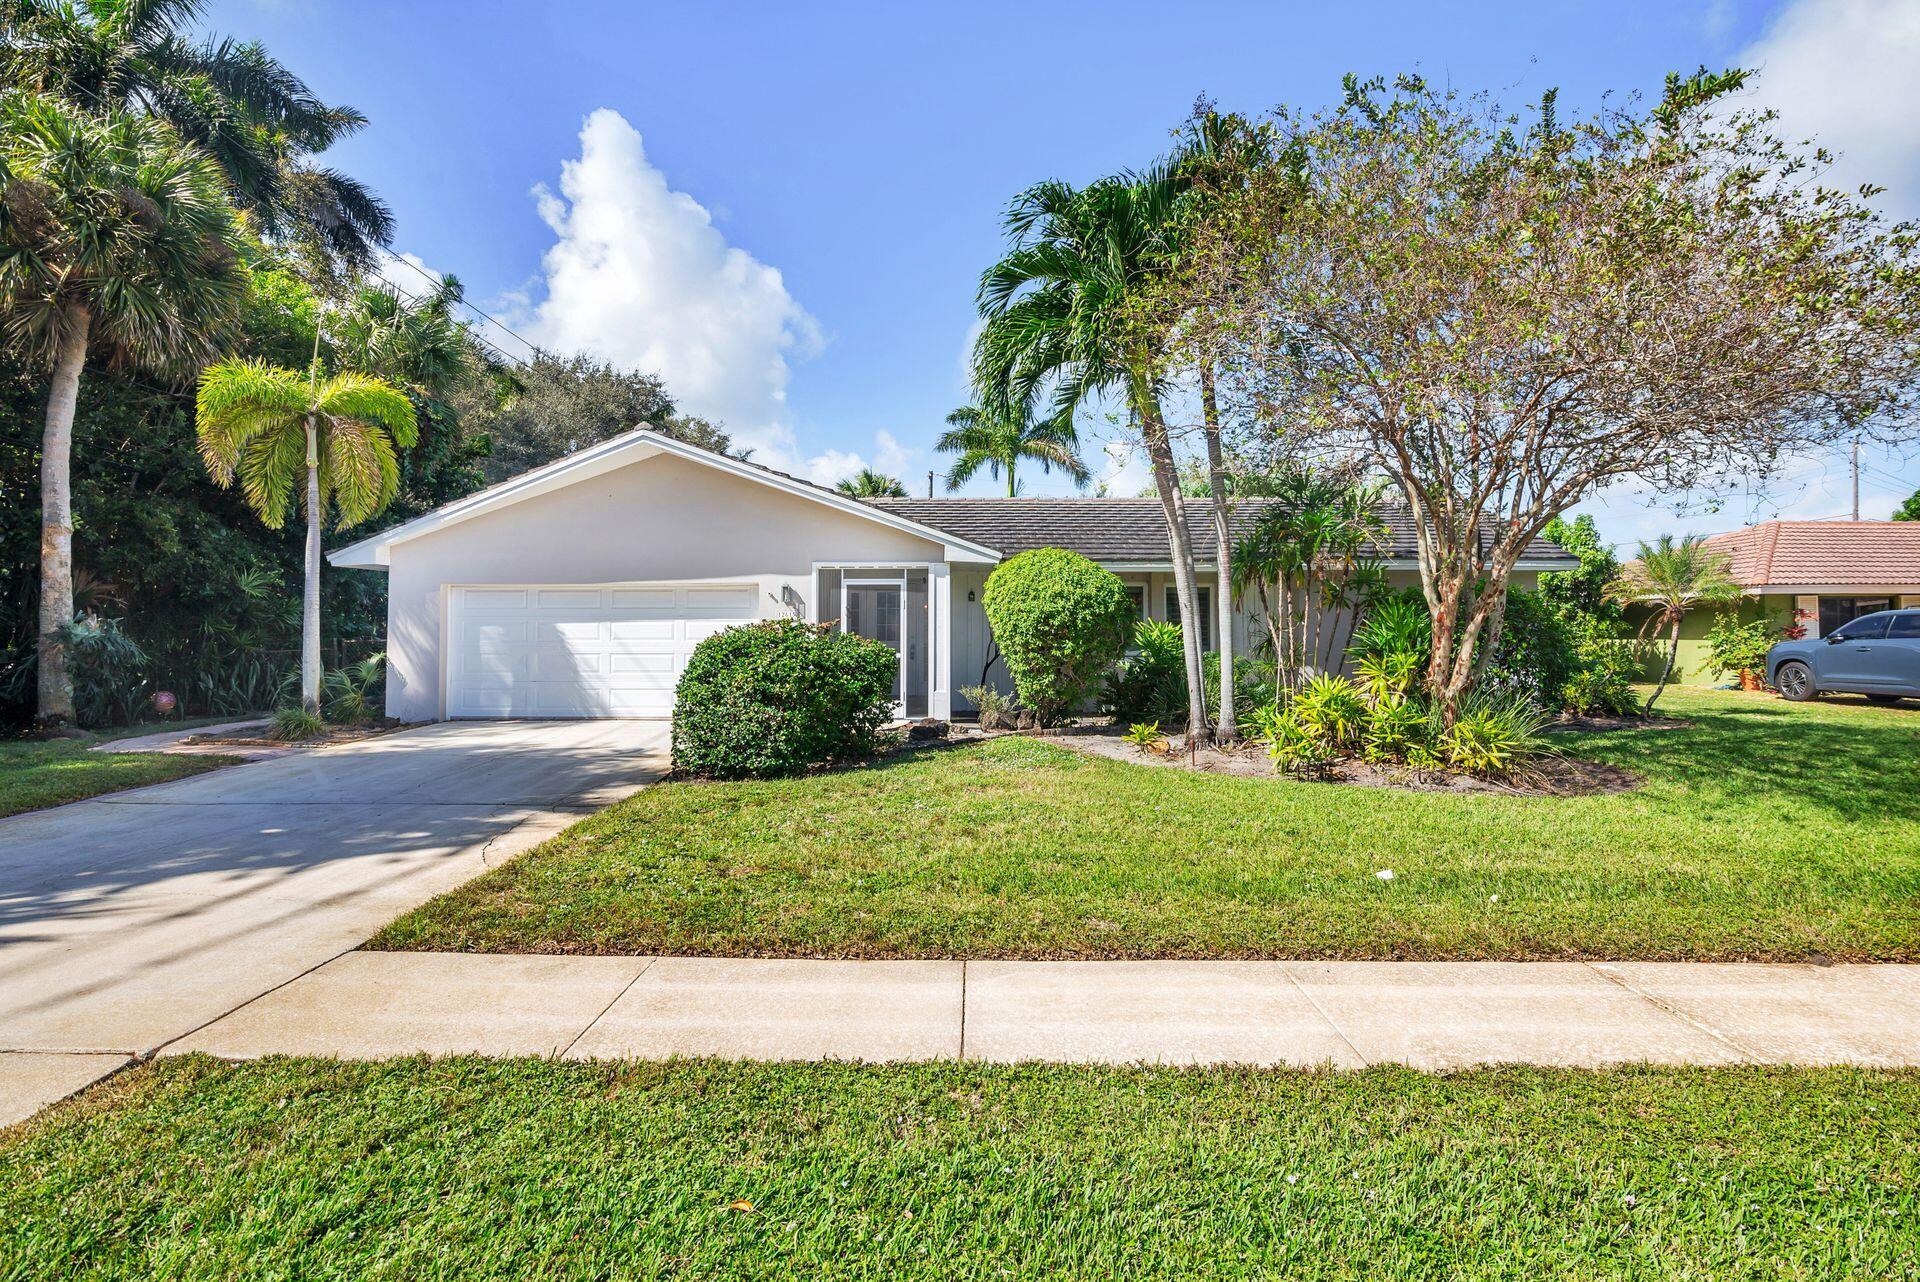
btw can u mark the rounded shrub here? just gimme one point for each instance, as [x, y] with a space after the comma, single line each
[1060, 622]
[776, 697]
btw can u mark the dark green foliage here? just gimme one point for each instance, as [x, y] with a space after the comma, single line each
[1909, 510]
[1583, 591]
[1535, 654]
[1149, 681]
[352, 695]
[554, 405]
[1060, 622]
[773, 698]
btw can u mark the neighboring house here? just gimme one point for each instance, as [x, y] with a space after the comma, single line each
[580, 588]
[1813, 574]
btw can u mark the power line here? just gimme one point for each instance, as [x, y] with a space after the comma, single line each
[488, 317]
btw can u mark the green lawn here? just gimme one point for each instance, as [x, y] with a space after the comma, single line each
[35, 774]
[1766, 830]
[528, 1168]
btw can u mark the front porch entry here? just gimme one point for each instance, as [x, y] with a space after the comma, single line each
[906, 608]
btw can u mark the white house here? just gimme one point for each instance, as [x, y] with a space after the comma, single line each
[579, 589]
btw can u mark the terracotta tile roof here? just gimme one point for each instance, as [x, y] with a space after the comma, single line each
[1125, 529]
[1809, 553]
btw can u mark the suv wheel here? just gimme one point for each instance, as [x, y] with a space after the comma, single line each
[1795, 681]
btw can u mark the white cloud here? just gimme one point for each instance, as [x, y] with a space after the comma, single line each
[1126, 473]
[1842, 72]
[640, 276]
[889, 456]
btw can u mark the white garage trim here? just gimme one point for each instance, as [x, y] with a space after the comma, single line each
[579, 649]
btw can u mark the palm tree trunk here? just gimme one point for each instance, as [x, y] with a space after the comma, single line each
[1673, 653]
[1012, 489]
[310, 597]
[1166, 480]
[1228, 729]
[55, 706]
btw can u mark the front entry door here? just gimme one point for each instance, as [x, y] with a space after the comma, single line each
[872, 610]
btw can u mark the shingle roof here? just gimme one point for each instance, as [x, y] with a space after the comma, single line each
[1810, 553]
[1120, 529]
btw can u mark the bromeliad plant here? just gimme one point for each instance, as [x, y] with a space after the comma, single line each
[332, 439]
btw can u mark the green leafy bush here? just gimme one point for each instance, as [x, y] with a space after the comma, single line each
[996, 710]
[1495, 734]
[109, 671]
[1734, 647]
[1145, 735]
[773, 698]
[1060, 622]
[1294, 743]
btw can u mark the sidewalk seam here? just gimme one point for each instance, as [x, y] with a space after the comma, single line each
[624, 990]
[1286, 969]
[1724, 1039]
[963, 1009]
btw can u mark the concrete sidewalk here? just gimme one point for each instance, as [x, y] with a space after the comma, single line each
[1429, 1015]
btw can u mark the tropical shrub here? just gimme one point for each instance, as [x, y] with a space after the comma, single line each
[294, 722]
[773, 698]
[1494, 734]
[1151, 682]
[1396, 726]
[351, 695]
[1296, 744]
[1060, 622]
[1333, 707]
[1535, 653]
[1145, 735]
[108, 669]
[1383, 675]
[1734, 647]
[1396, 624]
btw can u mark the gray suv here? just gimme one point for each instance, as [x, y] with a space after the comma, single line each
[1877, 655]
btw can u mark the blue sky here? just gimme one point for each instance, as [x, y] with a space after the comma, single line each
[784, 208]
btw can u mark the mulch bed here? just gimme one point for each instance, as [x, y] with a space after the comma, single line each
[1549, 776]
[331, 735]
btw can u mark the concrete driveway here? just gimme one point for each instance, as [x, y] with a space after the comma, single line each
[131, 920]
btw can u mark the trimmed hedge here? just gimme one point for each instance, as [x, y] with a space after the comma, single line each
[1060, 621]
[773, 698]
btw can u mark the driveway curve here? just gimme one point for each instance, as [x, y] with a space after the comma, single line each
[130, 920]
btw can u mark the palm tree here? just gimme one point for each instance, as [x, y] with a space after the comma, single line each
[271, 427]
[116, 239]
[998, 438]
[257, 120]
[1062, 311]
[1673, 576]
[870, 484]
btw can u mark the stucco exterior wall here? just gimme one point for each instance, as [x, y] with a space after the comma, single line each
[972, 636]
[661, 519]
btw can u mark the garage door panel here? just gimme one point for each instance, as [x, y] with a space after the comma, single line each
[645, 599]
[569, 598]
[667, 665]
[496, 599]
[646, 629]
[572, 651]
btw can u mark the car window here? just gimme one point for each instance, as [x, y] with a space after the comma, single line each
[1906, 625]
[1871, 627]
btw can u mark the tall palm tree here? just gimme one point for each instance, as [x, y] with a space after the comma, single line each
[998, 436]
[870, 484]
[274, 428]
[257, 120]
[1062, 311]
[116, 240]
[1672, 577]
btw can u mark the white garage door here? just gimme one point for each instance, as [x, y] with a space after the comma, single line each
[581, 651]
